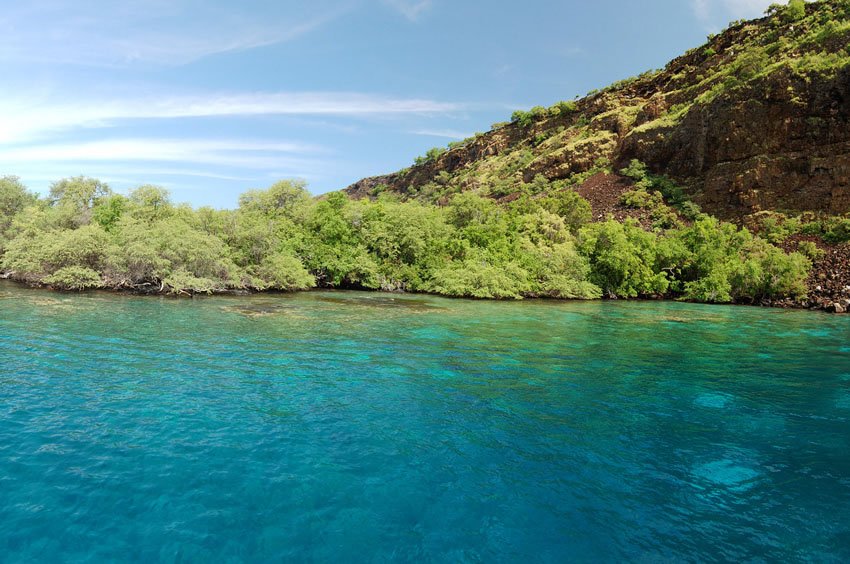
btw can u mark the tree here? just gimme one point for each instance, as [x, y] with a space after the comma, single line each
[623, 259]
[38, 256]
[14, 197]
[796, 10]
[334, 249]
[74, 198]
[109, 210]
[572, 208]
[725, 264]
[173, 255]
[283, 271]
[81, 192]
[479, 277]
[150, 202]
[287, 198]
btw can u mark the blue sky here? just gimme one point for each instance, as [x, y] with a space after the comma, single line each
[210, 98]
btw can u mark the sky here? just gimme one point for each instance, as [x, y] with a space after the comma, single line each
[209, 98]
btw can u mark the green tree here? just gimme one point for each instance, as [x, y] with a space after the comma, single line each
[623, 258]
[14, 197]
[171, 255]
[37, 256]
[570, 206]
[108, 211]
[334, 250]
[287, 198]
[150, 203]
[478, 276]
[796, 10]
[74, 199]
[79, 191]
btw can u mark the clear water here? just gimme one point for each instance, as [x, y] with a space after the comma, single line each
[340, 427]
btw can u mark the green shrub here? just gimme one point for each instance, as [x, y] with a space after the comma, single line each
[476, 277]
[563, 108]
[641, 199]
[776, 227]
[727, 264]
[767, 272]
[690, 210]
[833, 230]
[796, 10]
[283, 271]
[430, 156]
[623, 259]
[810, 250]
[74, 278]
[636, 170]
[570, 206]
[526, 119]
[561, 272]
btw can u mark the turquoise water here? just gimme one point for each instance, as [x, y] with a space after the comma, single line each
[344, 427]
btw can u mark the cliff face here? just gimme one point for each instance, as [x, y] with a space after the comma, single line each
[757, 119]
[782, 143]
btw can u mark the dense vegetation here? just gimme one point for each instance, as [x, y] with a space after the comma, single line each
[83, 235]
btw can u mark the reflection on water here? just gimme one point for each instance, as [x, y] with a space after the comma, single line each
[339, 426]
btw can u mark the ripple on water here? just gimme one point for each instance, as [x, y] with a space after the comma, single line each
[229, 429]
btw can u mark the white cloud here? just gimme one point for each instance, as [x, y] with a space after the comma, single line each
[23, 120]
[176, 32]
[410, 9]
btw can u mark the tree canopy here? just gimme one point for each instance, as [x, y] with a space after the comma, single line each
[83, 235]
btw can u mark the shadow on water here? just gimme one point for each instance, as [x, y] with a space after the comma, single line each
[253, 310]
[380, 301]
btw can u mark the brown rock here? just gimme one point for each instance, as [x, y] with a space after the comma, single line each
[833, 307]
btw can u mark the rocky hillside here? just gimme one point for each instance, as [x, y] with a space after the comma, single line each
[756, 119]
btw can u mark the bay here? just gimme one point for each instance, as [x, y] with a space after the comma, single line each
[349, 426]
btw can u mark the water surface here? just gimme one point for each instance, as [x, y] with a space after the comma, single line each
[330, 426]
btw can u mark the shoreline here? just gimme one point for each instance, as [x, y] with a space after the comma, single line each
[787, 303]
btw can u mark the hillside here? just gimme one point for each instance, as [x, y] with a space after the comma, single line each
[756, 119]
[752, 127]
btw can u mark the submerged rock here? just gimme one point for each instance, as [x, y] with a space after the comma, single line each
[256, 310]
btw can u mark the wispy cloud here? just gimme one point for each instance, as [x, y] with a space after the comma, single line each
[134, 161]
[43, 174]
[444, 133]
[159, 32]
[24, 120]
[218, 153]
[410, 9]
